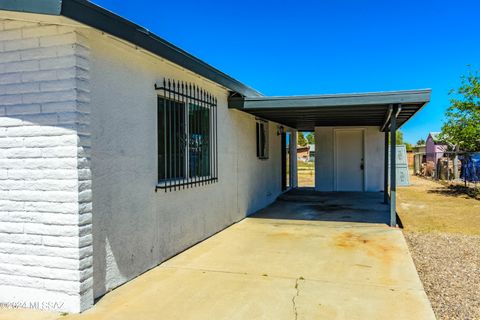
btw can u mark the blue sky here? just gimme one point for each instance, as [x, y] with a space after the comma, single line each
[314, 47]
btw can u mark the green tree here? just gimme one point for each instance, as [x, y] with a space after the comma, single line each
[310, 138]
[462, 124]
[421, 142]
[301, 140]
[399, 137]
[400, 141]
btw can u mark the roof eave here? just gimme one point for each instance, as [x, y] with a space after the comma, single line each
[333, 110]
[421, 96]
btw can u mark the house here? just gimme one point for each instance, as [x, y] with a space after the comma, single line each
[419, 148]
[434, 147]
[119, 150]
[303, 153]
[306, 153]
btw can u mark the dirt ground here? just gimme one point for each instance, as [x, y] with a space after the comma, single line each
[442, 229]
[306, 174]
[429, 206]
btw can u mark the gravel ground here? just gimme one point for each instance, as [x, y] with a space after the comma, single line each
[449, 267]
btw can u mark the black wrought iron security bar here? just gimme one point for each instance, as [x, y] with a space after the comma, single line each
[187, 136]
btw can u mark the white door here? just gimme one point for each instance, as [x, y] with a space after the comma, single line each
[349, 159]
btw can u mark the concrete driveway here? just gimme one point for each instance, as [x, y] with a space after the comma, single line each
[268, 268]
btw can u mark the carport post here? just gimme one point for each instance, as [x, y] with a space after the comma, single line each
[385, 169]
[393, 165]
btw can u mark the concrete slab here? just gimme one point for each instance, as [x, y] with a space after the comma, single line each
[171, 293]
[314, 250]
[308, 204]
[320, 300]
[27, 314]
[269, 268]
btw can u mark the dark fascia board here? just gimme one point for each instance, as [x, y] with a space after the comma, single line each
[420, 97]
[99, 18]
[298, 104]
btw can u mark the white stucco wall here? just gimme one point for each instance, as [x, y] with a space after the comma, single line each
[324, 158]
[45, 189]
[79, 214]
[134, 227]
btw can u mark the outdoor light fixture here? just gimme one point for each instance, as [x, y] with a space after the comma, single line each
[280, 130]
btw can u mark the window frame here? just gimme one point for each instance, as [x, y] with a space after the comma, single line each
[262, 139]
[195, 103]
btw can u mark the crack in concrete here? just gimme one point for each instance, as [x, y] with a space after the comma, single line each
[398, 287]
[295, 312]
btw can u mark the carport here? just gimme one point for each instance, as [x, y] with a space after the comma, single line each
[386, 110]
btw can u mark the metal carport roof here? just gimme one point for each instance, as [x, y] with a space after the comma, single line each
[353, 109]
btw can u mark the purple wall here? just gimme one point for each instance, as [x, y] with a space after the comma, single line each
[434, 151]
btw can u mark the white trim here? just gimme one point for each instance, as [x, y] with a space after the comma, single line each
[335, 156]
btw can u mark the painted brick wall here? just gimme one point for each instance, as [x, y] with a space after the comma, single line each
[45, 180]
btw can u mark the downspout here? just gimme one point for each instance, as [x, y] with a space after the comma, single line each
[387, 119]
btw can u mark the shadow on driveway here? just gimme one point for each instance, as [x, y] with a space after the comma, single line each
[307, 204]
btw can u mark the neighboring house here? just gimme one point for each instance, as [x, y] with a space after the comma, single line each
[303, 152]
[119, 150]
[419, 149]
[434, 147]
[306, 153]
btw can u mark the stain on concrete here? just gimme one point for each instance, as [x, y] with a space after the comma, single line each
[362, 265]
[349, 240]
[281, 234]
[296, 198]
[377, 247]
[329, 207]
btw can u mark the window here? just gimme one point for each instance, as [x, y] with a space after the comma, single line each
[187, 136]
[262, 139]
